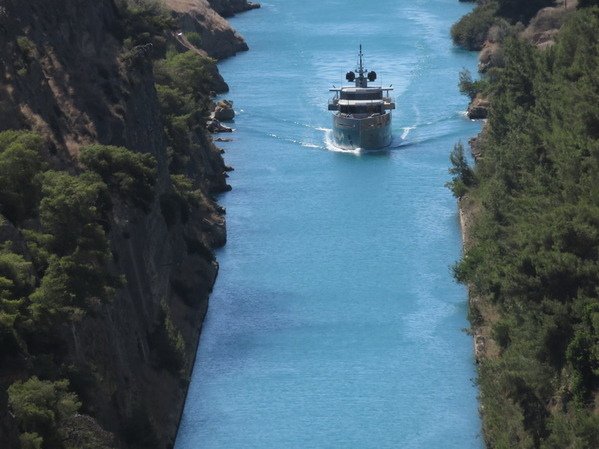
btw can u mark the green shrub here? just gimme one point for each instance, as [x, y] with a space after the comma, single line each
[70, 205]
[39, 245]
[26, 45]
[131, 175]
[185, 81]
[73, 212]
[20, 165]
[471, 30]
[15, 283]
[184, 188]
[463, 175]
[194, 39]
[173, 102]
[16, 271]
[575, 430]
[144, 22]
[188, 72]
[31, 440]
[501, 334]
[469, 87]
[177, 204]
[40, 407]
[182, 117]
[72, 285]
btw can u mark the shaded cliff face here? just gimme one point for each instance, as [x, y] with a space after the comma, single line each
[64, 74]
[60, 72]
[8, 431]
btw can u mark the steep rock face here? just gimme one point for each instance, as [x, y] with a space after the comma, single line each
[544, 27]
[217, 37]
[8, 433]
[60, 73]
[63, 74]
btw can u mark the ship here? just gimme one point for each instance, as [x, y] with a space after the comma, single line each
[362, 117]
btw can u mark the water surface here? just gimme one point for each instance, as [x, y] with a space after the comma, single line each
[335, 321]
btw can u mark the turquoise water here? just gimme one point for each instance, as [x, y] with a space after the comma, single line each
[335, 321]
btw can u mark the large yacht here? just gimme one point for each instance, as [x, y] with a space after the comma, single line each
[363, 113]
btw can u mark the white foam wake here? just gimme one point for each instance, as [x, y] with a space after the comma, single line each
[310, 145]
[294, 141]
[406, 131]
[397, 142]
[330, 145]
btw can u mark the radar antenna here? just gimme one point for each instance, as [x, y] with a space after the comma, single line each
[361, 80]
[361, 67]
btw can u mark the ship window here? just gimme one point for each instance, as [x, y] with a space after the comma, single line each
[361, 109]
[374, 94]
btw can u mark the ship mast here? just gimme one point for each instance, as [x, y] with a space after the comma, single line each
[361, 80]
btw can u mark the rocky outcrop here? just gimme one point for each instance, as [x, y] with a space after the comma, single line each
[541, 32]
[490, 56]
[544, 27]
[214, 126]
[478, 108]
[64, 74]
[224, 111]
[216, 37]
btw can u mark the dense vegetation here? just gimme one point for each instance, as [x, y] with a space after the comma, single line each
[56, 267]
[131, 176]
[471, 30]
[42, 408]
[144, 22]
[183, 85]
[536, 241]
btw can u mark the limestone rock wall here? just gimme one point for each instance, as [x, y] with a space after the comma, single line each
[62, 74]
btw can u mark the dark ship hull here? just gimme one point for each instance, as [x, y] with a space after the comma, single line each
[370, 133]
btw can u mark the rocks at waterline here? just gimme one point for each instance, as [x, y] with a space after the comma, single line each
[214, 126]
[223, 111]
[478, 108]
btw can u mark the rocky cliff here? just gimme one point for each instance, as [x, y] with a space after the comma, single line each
[67, 74]
[215, 35]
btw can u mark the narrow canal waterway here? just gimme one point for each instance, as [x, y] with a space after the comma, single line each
[335, 321]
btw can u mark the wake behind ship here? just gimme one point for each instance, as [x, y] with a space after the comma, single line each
[363, 114]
